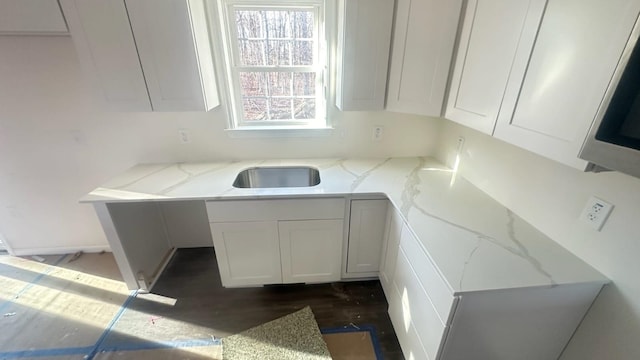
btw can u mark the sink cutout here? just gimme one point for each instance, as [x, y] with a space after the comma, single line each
[277, 177]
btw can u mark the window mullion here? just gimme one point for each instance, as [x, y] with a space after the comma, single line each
[292, 96]
[266, 51]
[283, 69]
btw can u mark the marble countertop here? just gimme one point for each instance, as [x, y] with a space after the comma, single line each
[476, 243]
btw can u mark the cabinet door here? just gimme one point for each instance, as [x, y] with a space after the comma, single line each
[491, 46]
[175, 52]
[363, 46]
[38, 17]
[106, 49]
[311, 250]
[390, 248]
[423, 38]
[578, 47]
[366, 234]
[247, 252]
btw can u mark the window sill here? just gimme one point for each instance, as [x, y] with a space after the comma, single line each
[279, 132]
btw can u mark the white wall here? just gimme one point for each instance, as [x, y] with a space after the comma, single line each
[550, 196]
[56, 145]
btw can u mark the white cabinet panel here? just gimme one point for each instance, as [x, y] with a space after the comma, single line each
[366, 234]
[530, 323]
[437, 289]
[576, 52]
[173, 59]
[363, 52]
[187, 224]
[417, 307]
[422, 47]
[261, 242]
[406, 333]
[102, 35]
[145, 55]
[248, 253]
[491, 46]
[38, 17]
[390, 248]
[141, 231]
[311, 251]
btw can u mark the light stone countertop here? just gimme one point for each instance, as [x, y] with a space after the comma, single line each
[476, 243]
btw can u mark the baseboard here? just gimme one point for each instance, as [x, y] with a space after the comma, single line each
[60, 250]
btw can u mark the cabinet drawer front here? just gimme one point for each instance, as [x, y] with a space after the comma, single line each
[437, 290]
[408, 338]
[417, 307]
[266, 210]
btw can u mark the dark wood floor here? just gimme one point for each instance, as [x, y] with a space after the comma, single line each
[192, 278]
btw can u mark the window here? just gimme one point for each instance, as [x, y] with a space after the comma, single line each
[275, 58]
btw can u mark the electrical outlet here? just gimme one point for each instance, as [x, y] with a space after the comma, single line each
[377, 133]
[596, 212]
[184, 135]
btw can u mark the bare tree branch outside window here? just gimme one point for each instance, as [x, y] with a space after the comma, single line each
[275, 52]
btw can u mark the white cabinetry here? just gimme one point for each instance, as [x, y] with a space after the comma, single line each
[578, 47]
[363, 51]
[367, 222]
[536, 77]
[144, 55]
[311, 250]
[491, 46]
[248, 253]
[433, 322]
[277, 241]
[31, 17]
[423, 39]
[390, 246]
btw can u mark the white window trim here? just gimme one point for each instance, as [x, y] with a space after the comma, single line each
[239, 128]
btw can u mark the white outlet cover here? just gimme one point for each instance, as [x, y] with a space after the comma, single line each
[596, 212]
[184, 135]
[377, 133]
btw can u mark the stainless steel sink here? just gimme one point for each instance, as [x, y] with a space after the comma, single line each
[277, 177]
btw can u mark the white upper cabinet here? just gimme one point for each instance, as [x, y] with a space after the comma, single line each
[145, 55]
[578, 47]
[536, 77]
[423, 40]
[31, 17]
[497, 37]
[364, 37]
[175, 53]
[107, 52]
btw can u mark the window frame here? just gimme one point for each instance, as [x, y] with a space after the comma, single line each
[233, 68]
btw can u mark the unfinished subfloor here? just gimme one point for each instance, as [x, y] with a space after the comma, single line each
[79, 308]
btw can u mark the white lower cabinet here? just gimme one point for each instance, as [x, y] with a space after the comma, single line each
[433, 322]
[367, 222]
[417, 307]
[277, 241]
[390, 247]
[311, 250]
[248, 253]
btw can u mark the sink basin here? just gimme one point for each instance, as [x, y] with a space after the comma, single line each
[277, 177]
